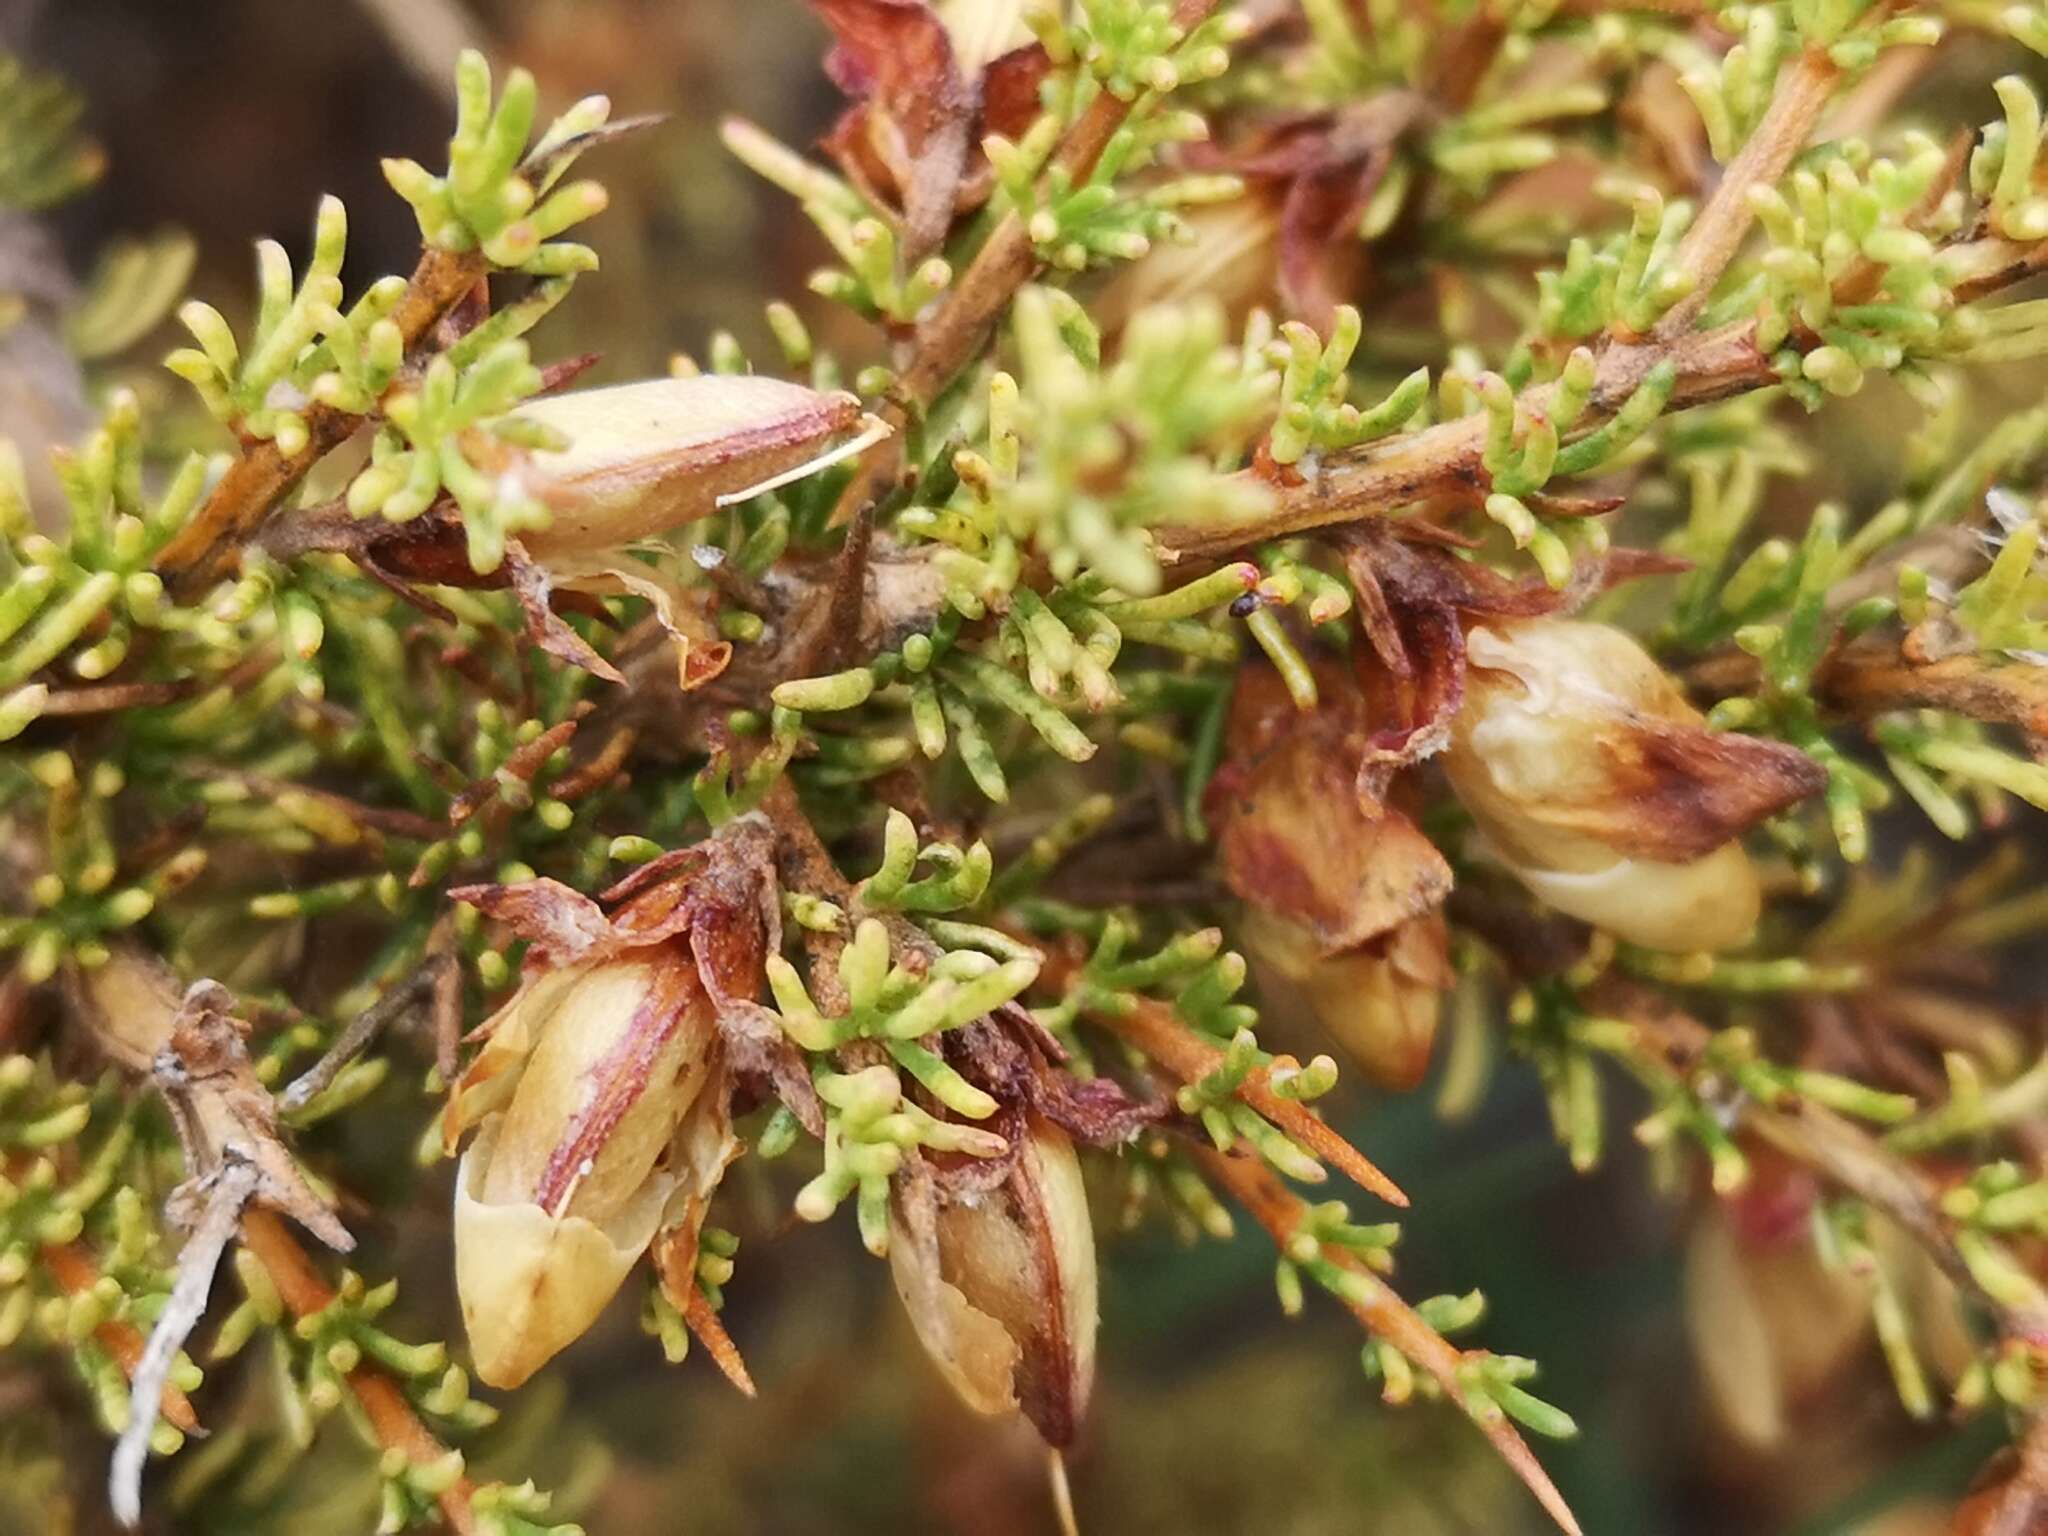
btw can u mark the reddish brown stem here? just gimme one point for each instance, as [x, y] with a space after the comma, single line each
[1155, 1029]
[951, 335]
[72, 1267]
[1384, 1314]
[1840, 1151]
[1444, 459]
[1801, 95]
[257, 483]
[306, 1291]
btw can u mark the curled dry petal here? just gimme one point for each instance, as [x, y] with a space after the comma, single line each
[1604, 791]
[1295, 839]
[929, 84]
[1001, 1287]
[897, 55]
[1342, 894]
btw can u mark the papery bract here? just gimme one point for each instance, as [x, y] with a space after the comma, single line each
[1342, 897]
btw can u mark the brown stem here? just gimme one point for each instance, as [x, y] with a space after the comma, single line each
[950, 336]
[1842, 1152]
[260, 479]
[1154, 1029]
[1445, 459]
[1415, 466]
[306, 1291]
[1709, 245]
[1384, 1314]
[72, 1267]
[1874, 678]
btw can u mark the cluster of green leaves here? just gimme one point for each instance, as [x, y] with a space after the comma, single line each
[44, 159]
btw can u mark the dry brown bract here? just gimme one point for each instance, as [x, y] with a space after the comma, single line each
[1342, 892]
[603, 1091]
[925, 96]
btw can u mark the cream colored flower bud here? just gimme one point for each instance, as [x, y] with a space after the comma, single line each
[567, 1183]
[1380, 1002]
[1601, 788]
[648, 457]
[1003, 1295]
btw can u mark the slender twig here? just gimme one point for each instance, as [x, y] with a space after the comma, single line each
[431, 985]
[951, 334]
[304, 1292]
[257, 483]
[1154, 1028]
[1384, 1314]
[1803, 90]
[228, 1192]
[1446, 458]
[1842, 1152]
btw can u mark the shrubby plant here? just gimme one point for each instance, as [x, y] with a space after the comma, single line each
[1313, 544]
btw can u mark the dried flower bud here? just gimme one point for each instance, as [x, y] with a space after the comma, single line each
[648, 457]
[1001, 1287]
[127, 1004]
[1340, 899]
[1229, 258]
[1770, 1325]
[602, 1092]
[1381, 1002]
[562, 1192]
[642, 459]
[1604, 792]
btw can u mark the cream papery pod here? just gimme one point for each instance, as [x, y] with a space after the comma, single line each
[642, 459]
[532, 1283]
[1001, 1290]
[1601, 788]
[127, 1004]
[1709, 903]
[982, 30]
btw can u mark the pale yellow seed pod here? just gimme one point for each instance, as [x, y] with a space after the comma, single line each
[1600, 787]
[1004, 1298]
[1231, 258]
[567, 1184]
